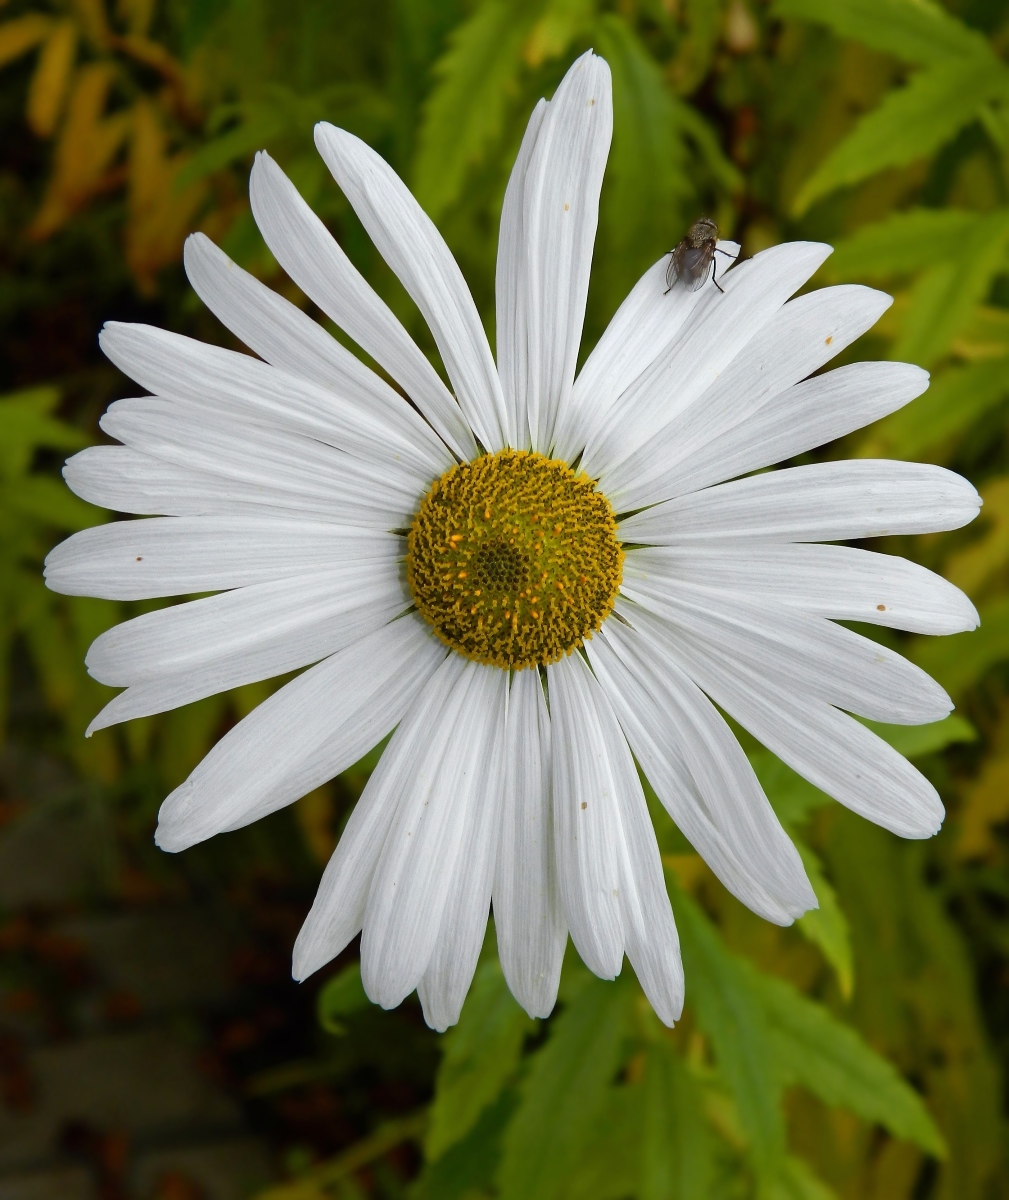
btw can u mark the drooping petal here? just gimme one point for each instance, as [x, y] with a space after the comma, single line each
[641, 329]
[700, 774]
[800, 337]
[410, 243]
[802, 417]
[287, 338]
[173, 556]
[718, 328]
[531, 933]
[832, 501]
[809, 655]
[832, 750]
[438, 774]
[551, 256]
[443, 986]
[838, 582]
[312, 729]
[312, 257]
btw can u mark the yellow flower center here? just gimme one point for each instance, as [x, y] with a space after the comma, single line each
[514, 559]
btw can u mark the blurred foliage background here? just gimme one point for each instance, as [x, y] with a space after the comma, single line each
[861, 1053]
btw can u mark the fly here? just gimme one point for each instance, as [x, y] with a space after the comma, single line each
[692, 260]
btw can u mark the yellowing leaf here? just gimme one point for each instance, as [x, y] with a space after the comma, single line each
[562, 21]
[19, 36]
[48, 87]
[827, 926]
[985, 805]
[314, 815]
[137, 13]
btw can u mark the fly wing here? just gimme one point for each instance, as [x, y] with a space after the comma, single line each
[696, 265]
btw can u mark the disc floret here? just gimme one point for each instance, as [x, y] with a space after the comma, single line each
[514, 559]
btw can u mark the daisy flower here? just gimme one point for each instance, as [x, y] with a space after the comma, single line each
[536, 581]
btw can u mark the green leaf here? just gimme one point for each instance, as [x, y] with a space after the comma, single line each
[466, 1169]
[725, 1007]
[903, 242]
[607, 1168]
[910, 124]
[813, 1048]
[564, 1092]
[340, 997]
[913, 741]
[677, 1158]
[916, 31]
[465, 111]
[480, 1057]
[796, 1181]
[961, 659]
[827, 926]
[792, 797]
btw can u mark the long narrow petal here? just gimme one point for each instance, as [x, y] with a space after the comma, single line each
[443, 986]
[802, 417]
[531, 933]
[641, 329]
[173, 556]
[312, 257]
[287, 338]
[809, 655]
[823, 502]
[839, 582]
[830, 749]
[717, 329]
[560, 211]
[511, 285]
[700, 774]
[410, 243]
[194, 438]
[438, 774]
[312, 729]
[226, 382]
[802, 336]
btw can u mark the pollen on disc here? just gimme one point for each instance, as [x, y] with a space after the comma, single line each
[514, 559]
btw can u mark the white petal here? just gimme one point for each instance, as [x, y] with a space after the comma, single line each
[408, 240]
[641, 329]
[716, 331]
[171, 556]
[700, 774]
[438, 774]
[531, 933]
[348, 489]
[511, 291]
[612, 885]
[822, 502]
[798, 340]
[559, 214]
[827, 581]
[312, 729]
[286, 338]
[825, 746]
[808, 655]
[307, 251]
[810, 414]
[241, 386]
[443, 986]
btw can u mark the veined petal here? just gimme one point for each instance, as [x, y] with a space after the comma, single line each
[700, 773]
[511, 291]
[312, 257]
[718, 328]
[641, 329]
[559, 201]
[531, 933]
[312, 729]
[410, 243]
[287, 338]
[832, 501]
[810, 414]
[839, 582]
[443, 986]
[171, 556]
[800, 337]
[830, 749]
[808, 655]
[437, 771]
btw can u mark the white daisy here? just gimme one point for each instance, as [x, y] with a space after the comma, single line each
[579, 582]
